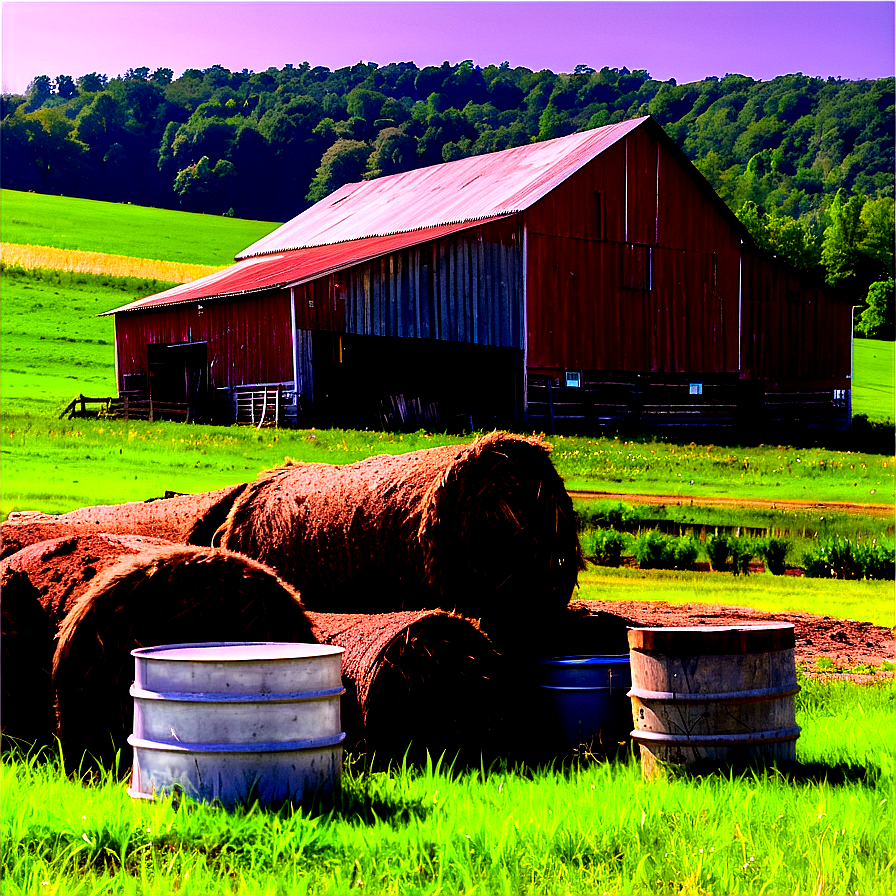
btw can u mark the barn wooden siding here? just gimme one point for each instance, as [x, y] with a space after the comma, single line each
[248, 340]
[464, 289]
[618, 283]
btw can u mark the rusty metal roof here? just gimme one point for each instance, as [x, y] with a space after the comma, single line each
[289, 268]
[360, 221]
[468, 190]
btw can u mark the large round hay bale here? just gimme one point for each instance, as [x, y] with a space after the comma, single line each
[428, 679]
[26, 657]
[60, 570]
[166, 594]
[486, 529]
[184, 519]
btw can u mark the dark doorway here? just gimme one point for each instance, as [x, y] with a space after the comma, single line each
[178, 376]
[378, 382]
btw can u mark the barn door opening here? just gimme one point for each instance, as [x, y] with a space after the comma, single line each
[178, 379]
[377, 382]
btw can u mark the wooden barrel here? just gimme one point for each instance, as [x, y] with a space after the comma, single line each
[709, 696]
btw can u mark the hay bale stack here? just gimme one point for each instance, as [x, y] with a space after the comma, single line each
[165, 594]
[425, 678]
[486, 529]
[26, 658]
[183, 519]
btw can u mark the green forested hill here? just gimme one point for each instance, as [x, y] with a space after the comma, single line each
[807, 163]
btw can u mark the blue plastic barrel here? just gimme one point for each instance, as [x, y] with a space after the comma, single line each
[585, 701]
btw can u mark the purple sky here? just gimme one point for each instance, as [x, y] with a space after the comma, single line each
[685, 41]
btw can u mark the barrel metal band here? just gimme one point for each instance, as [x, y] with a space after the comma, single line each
[310, 743]
[779, 735]
[756, 695]
[191, 697]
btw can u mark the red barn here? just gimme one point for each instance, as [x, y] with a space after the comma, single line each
[589, 281]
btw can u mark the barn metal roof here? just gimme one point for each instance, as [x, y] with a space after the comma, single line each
[289, 268]
[360, 221]
[486, 186]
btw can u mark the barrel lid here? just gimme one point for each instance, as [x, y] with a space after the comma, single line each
[701, 640]
[236, 651]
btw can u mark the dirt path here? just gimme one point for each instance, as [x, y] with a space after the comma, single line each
[883, 510]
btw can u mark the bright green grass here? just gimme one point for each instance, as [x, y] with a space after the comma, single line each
[40, 220]
[54, 344]
[873, 385]
[868, 601]
[588, 827]
[686, 472]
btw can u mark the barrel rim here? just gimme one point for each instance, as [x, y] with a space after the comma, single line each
[164, 651]
[713, 640]
[586, 659]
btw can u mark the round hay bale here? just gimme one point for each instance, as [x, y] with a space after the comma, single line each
[183, 519]
[428, 679]
[26, 658]
[486, 529]
[167, 594]
[61, 569]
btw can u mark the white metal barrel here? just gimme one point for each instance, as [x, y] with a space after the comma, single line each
[237, 722]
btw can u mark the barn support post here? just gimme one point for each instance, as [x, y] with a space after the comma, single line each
[852, 349]
[525, 322]
[118, 382]
[295, 348]
[740, 297]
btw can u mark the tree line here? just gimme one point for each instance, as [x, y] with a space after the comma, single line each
[806, 163]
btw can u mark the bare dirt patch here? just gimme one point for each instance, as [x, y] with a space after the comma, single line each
[847, 643]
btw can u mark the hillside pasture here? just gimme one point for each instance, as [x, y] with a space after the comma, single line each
[874, 362]
[119, 229]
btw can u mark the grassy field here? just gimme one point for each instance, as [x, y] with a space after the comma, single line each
[40, 220]
[585, 827]
[875, 368]
[869, 601]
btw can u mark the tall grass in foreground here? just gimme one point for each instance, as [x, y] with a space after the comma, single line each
[584, 827]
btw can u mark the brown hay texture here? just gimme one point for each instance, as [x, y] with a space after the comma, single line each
[425, 678]
[26, 657]
[166, 594]
[486, 529]
[184, 519]
[60, 570]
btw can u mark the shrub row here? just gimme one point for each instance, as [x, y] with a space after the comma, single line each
[844, 558]
[656, 550]
[834, 557]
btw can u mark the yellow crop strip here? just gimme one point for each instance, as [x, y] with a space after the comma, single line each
[27, 256]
